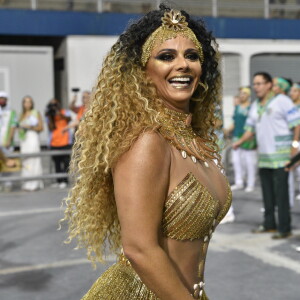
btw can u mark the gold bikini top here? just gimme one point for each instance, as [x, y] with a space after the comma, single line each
[191, 212]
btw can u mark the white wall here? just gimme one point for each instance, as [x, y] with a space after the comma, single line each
[29, 71]
[245, 49]
[85, 55]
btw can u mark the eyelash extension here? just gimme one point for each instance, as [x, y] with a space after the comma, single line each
[193, 56]
[169, 57]
[165, 57]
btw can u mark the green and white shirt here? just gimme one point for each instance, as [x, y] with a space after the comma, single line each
[8, 120]
[273, 124]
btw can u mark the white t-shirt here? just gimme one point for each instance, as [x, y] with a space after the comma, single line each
[273, 129]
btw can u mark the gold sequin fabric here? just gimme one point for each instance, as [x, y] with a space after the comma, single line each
[190, 210]
[120, 282]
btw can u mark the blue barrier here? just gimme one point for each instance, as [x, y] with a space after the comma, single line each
[63, 23]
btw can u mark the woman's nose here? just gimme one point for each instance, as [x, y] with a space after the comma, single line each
[182, 63]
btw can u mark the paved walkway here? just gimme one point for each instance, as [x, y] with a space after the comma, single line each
[35, 264]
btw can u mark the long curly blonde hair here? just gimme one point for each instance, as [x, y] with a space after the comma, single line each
[125, 104]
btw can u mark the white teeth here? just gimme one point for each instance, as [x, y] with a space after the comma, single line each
[183, 79]
[180, 85]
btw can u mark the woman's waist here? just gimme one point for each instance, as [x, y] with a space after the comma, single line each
[194, 284]
[187, 257]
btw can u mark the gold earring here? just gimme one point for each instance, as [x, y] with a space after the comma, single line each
[204, 86]
[203, 93]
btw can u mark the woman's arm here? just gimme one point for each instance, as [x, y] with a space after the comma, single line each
[141, 179]
[245, 137]
[63, 116]
[229, 130]
[39, 127]
[72, 124]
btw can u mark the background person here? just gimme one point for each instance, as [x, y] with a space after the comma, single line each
[282, 86]
[79, 110]
[145, 159]
[8, 124]
[60, 139]
[275, 121]
[295, 96]
[30, 125]
[244, 158]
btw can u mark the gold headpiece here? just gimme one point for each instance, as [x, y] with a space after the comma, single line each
[173, 24]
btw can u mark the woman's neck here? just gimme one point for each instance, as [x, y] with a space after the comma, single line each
[170, 106]
[245, 104]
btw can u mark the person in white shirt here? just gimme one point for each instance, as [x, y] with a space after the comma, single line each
[282, 86]
[8, 124]
[295, 96]
[275, 120]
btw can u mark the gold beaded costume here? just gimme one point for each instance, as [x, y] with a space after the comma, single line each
[193, 207]
[191, 212]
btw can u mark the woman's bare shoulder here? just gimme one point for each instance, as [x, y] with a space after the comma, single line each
[149, 151]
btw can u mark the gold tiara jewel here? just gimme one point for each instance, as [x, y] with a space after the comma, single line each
[173, 24]
[174, 20]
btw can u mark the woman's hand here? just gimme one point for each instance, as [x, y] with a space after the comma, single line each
[236, 145]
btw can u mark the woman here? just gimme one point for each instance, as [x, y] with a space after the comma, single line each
[243, 158]
[144, 156]
[30, 125]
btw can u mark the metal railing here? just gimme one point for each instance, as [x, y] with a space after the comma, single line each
[14, 178]
[215, 8]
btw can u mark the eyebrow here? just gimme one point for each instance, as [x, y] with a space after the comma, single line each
[173, 50]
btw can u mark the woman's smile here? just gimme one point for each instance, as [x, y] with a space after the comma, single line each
[181, 82]
[175, 69]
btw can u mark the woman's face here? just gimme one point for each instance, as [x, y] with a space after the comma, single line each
[27, 103]
[244, 97]
[174, 68]
[295, 93]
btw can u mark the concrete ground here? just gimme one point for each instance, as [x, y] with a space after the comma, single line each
[35, 264]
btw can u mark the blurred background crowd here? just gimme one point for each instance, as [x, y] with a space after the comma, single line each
[46, 60]
[26, 127]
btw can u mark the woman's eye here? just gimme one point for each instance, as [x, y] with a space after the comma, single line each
[165, 57]
[192, 56]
